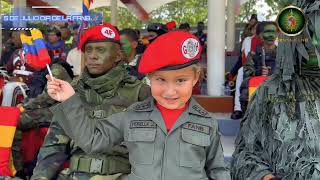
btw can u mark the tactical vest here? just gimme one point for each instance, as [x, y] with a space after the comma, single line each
[116, 161]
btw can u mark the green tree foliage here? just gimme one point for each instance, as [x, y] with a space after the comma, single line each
[5, 7]
[190, 11]
[276, 6]
[246, 10]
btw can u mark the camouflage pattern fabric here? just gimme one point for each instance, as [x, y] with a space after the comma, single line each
[105, 95]
[281, 130]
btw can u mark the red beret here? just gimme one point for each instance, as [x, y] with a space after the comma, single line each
[171, 25]
[170, 51]
[103, 32]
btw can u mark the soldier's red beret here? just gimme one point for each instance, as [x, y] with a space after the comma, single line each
[170, 51]
[103, 32]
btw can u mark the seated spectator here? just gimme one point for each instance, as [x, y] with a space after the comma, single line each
[141, 46]
[200, 34]
[75, 57]
[129, 44]
[155, 30]
[247, 30]
[185, 27]
[56, 45]
[11, 45]
[67, 37]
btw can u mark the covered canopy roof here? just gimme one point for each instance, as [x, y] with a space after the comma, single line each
[141, 8]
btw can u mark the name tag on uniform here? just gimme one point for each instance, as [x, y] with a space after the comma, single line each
[142, 124]
[197, 127]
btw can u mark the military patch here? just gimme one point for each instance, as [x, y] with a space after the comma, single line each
[142, 124]
[142, 106]
[55, 72]
[98, 114]
[197, 127]
[200, 110]
[108, 32]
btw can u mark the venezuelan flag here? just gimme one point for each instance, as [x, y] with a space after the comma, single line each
[9, 117]
[254, 83]
[86, 6]
[35, 49]
[41, 48]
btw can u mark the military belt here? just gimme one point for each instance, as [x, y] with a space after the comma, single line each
[104, 165]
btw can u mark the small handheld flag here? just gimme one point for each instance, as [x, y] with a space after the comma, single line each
[35, 49]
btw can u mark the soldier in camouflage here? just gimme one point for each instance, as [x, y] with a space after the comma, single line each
[35, 113]
[105, 88]
[279, 136]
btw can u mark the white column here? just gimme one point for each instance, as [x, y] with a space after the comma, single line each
[19, 9]
[216, 47]
[230, 25]
[114, 12]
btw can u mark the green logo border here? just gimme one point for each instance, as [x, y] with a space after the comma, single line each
[305, 20]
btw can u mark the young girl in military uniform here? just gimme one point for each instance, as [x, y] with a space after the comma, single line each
[169, 136]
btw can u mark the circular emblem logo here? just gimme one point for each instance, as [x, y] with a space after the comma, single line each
[291, 21]
[190, 48]
[107, 32]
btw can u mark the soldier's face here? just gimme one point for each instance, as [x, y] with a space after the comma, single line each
[173, 89]
[101, 57]
[269, 34]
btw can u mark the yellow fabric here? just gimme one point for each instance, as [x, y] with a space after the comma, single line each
[36, 34]
[26, 39]
[86, 3]
[251, 91]
[11, 166]
[6, 136]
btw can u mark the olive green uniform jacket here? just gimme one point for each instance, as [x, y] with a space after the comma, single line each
[190, 151]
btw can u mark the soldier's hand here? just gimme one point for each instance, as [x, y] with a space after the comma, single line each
[268, 177]
[265, 71]
[59, 90]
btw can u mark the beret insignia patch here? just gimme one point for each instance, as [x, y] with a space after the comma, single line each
[190, 48]
[107, 32]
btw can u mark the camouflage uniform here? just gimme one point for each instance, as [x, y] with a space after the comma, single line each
[105, 95]
[35, 114]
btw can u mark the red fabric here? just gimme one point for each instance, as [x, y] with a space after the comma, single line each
[243, 58]
[1, 83]
[255, 41]
[257, 80]
[31, 142]
[196, 90]
[170, 49]
[4, 160]
[170, 116]
[171, 25]
[9, 116]
[103, 32]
